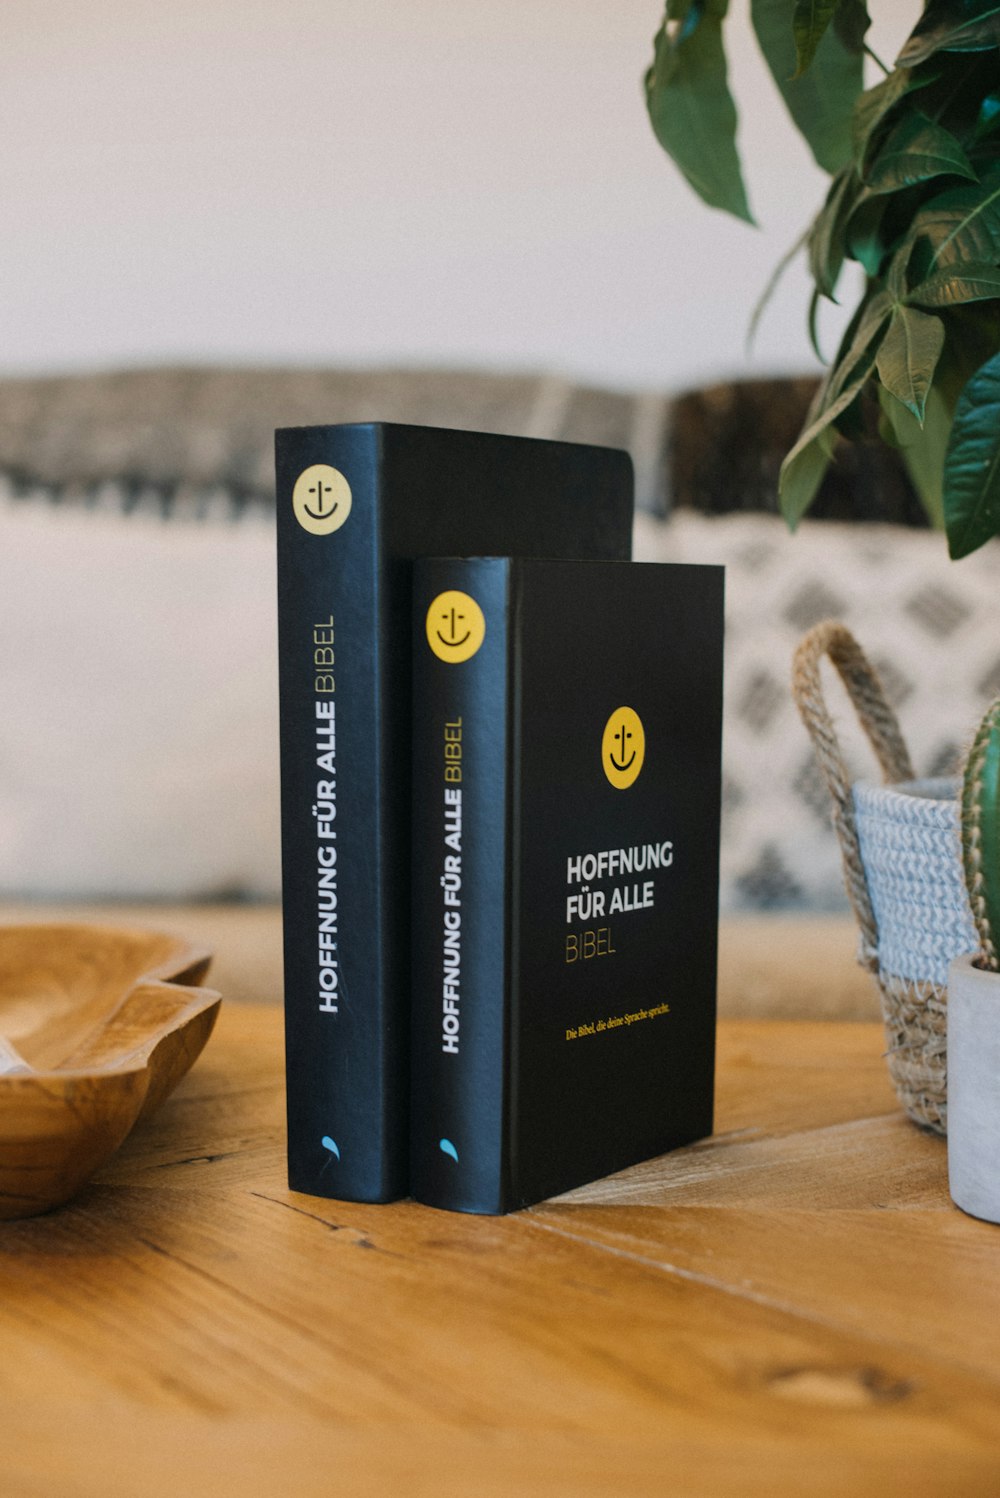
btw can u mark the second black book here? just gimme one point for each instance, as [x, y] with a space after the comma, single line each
[567, 736]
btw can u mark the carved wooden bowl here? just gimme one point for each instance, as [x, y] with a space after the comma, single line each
[97, 1026]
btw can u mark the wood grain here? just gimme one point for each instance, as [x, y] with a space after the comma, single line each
[97, 1026]
[767, 963]
[793, 1307]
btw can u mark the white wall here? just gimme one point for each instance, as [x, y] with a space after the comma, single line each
[364, 181]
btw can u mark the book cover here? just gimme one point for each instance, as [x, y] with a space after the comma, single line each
[566, 798]
[355, 505]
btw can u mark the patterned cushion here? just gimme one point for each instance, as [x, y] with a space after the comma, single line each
[931, 627]
[176, 440]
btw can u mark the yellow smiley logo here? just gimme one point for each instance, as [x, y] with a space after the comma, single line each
[623, 747]
[321, 499]
[455, 626]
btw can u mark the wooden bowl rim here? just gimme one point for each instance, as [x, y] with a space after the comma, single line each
[183, 956]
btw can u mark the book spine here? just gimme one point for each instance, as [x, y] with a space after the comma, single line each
[345, 1055]
[461, 847]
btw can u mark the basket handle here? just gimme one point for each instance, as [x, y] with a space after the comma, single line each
[882, 729]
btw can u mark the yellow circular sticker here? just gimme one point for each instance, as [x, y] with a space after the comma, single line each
[321, 499]
[623, 747]
[455, 626]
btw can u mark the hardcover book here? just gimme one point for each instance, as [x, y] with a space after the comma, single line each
[355, 505]
[567, 738]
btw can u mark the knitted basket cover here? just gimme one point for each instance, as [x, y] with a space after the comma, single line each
[901, 854]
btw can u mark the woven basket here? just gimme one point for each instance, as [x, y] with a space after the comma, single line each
[901, 850]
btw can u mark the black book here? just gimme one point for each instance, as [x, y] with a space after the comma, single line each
[567, 740]
[355, 505]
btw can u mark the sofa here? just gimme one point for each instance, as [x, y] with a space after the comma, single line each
[138, 736]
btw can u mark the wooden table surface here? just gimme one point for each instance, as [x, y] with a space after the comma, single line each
[793, 1307]
[770, 966]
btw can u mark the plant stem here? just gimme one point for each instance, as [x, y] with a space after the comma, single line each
[876, 59]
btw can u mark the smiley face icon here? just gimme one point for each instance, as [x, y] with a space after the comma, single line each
[321, 499]
[623, 747]
[455, 626]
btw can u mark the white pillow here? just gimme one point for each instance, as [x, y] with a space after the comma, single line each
[138, 684]
[138, 726]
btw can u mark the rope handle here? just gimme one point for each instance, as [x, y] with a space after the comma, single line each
[883, 732]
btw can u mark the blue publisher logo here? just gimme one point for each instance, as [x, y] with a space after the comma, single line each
[331, 1145]
[447, 1148]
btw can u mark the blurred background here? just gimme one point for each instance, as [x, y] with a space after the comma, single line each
[225, 215]
[354, 181]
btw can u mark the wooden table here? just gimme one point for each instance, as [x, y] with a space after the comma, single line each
[770, 966]
[791, 1308]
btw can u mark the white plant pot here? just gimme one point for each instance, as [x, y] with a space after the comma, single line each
[974, 1089]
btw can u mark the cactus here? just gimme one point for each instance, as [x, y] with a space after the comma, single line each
[981, 835]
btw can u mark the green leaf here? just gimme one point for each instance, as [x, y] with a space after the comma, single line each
[800, 481]
[955, 85]
[973, 338]
[865, 239]
[813, 328]
[803, 469]
[820, 102]
[691, 109]
[988, 118]
[857, 347]
[957, 284]
[874, 105]
[922, 447]
[961, 224]
[826, 237]
[855, 359]
[908, 356]
[851, 22]
[915, 150]
[895, 276]
[972, 464]
[809, 22]
[952, 26]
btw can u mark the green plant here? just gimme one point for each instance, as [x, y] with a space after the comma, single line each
[914, 200]
[981, 834]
